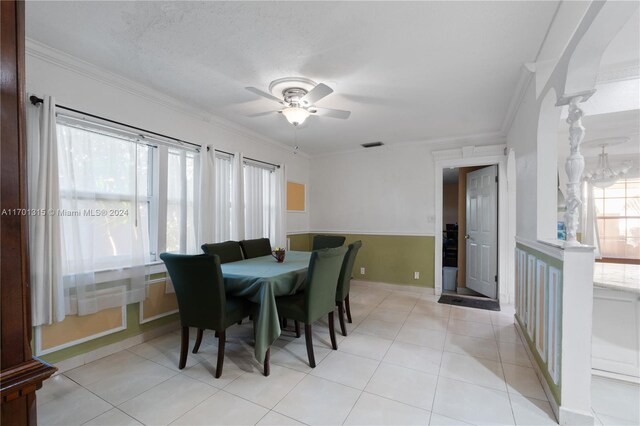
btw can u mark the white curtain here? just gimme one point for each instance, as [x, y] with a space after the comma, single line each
[105, 195]
[47, 289]
[280, 195]
[238, 199]
[259, 202]
[590, 235]
[206, 209]
[223, 197]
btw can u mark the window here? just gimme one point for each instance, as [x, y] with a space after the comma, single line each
[259, 201]
[180, 224]
[224, 194]
[618, 216]
[103, 178]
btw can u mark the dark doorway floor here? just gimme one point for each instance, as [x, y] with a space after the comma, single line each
[470, 302]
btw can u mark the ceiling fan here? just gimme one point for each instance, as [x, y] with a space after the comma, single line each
[299, 96]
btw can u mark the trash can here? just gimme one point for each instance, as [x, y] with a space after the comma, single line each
[449, 275]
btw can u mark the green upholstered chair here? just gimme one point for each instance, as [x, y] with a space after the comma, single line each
[202, 301]
[318, 298]
[229, 251]
[255, 248]
[327, 241]
[344, 284]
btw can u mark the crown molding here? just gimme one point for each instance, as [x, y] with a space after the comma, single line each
[63, 60]
[524, 80]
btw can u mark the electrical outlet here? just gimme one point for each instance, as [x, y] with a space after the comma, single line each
[416, 275]
[361, 271]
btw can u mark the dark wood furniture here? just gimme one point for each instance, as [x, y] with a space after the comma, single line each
[21, 374]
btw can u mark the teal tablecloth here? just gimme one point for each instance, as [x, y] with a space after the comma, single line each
[260, 280]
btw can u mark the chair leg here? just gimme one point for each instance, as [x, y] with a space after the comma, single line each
[267, 367]
[309, 338]
[297, 325]
[332, 332]
[284, 323]
[240, 322]
[184, 347]
[346, 302]
[221, 341]
[343, 327]
[196, 347]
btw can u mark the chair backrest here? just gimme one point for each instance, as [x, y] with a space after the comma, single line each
[322, 280]
[327, 241]
[229, 251]
[344, 281]
[199, 286]
[255, 248]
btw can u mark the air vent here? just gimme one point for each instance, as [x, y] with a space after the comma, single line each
[372, 144]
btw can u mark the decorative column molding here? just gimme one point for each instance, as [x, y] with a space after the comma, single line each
[574, 166]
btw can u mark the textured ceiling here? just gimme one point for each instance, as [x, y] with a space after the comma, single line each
[408, 71]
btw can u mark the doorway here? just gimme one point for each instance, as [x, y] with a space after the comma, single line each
[470, 235]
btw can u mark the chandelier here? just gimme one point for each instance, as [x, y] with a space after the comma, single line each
[604, 176]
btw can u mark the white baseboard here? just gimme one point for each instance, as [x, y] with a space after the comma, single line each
[87, 357]
[615, 376]
[426, 291]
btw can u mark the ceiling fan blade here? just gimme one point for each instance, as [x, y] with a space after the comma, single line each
[264, 94]
[261, 114]
[317, 93]
[333, 113]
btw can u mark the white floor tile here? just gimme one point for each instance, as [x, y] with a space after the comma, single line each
[294, 355]
[379, 328]
[440, 420]
[63, 402]
[232, 368]
[399, 302]
[169, 400]
[410, 333]
[523, 381]
[470, 314]
[615, 399]
[403, 385]
[471, 403]
[223, 409]
[366, 346]
[534, 412]
[118, 363]
[130, 381]
[478, 371]
[388, 315]
[472, 346]
[375, 410]
[429, 321]
[470, 328]
[317, 401]
[432, 308]
[506, 333]
[514, 353]
[616, 421]
[346, 369]
[113, 417]
[276, 419]
[415, 357]
[265, 391]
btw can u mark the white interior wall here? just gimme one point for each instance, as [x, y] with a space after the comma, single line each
[79, 86]
[384, 190]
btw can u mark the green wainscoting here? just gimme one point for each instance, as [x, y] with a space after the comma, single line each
[133, 328]
[391, 259]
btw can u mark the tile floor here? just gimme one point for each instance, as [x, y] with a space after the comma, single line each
[406, 360]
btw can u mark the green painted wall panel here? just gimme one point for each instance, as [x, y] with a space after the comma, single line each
[133, 328]
[388, 258]
[299, 242]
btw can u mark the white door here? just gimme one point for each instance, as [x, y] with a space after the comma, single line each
[482, 231]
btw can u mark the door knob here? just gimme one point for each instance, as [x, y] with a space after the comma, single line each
[466, 237]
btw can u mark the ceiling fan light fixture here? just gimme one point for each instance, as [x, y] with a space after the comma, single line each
[295, 115]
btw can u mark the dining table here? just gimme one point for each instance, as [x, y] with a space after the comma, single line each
[261, 280]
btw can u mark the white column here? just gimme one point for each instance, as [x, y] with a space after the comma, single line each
[574, 167]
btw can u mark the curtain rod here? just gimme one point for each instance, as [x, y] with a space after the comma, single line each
[36, 100]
